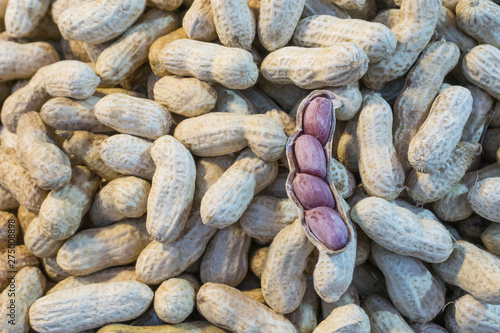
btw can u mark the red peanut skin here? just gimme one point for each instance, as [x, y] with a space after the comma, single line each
[328, 227]
[319, 108]
[312, 191]
[310, 156]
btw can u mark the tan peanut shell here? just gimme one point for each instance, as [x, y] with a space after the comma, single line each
[383, 316]
[434, 143]
[62, 211]
[231, 101]
[491, 238]
[341, 178]
[7, 201]
[305, 317]
[480, 19]
[18, 181]
[198, 22]
[266, 216]
[473, 315]
[10, 232]
[174, 301]
[38, 242]
[121, 198]
[48, 166]
[220, 133]
[349, 297]
[65, 114]
[208, 171]
[228, 308]
[101, 92]
[286, 95]
[53, 271]
[91, 250]
[411, 287]
[234, 23]
[7, 138]
[192, 327]
[388, 17]
[128, 154]
[187, 97]
[284, 119]
[232, 67]
[227, 199]
[277, 188]
[430, 187]
[28, 287]
[135, 116]
[283, 279]
[484, 198]
[422, 213]
[401, 231]
[155, 50]
[21, 61]
[25, 217]
[115, 274]
[22, 17]
[257, 260]
[336, 65]
[347, 318]
[97, 22]
[118, 62]
[85, 146]
[482, 104]
[462, 267]
[421, 86]
[481, 67]
[448, 29]
[277, 21]
[69, 310]
[9, 266]
[376, 40]
[226, 257]
[381, 172]
[166, 5]
[159, 261]
[172, 189]
[351, 99]
[454, 205]
[363, 246]
[347, 149]
[413, 32]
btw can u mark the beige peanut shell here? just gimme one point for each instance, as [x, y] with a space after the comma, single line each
[198, 22]
[194, 326]
[174, 301]
[481, 67]
[234, 23]
[22, 17]
[473, 315]
[305, 317]
[347, 318]
[23, 258]
[208, 171]
[480, 19]
[155, 50]
[383, 316]
[38, 242]
[491, 238]
[484, 198]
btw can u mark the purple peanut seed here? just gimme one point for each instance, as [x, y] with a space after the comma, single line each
[328, 227]
[310, 156]
[318, 119]
[312, 191]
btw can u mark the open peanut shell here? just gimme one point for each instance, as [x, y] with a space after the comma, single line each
[294, 169]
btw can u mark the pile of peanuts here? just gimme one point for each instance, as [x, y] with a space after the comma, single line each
[250, 166]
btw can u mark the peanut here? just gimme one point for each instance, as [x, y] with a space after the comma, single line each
[230, 309]
[325, 31]
[411, 287]
[304, 318]
[38, 242]
[18, 181]
[22, 17]
[208, 171]
[76, 309]
[383, 316]
[381, 172]
[323, 7]
[261, 102]
[480, 66]
[92, 250]
[232, 101]
[448, 29]
[198, 22]
[277, 21]
[166, 5]
[422, 83]
[430, 187]
[172, 186]
[96, 22]
[349, 297]
[345, 319]
[53, 271]
[128, 155]
[188, 97]
[155, 50]
[233, 68]
[48, 166]
[234, 23]
[67, 114]
[62, 211]
[461, 268]
[347, 150]
[118, 61]
[482, 104]
[401, 231]
[491, 238]
[21, 61]
[194, 326]
[8, 269]
[159, 261]
[434, 143]
[7, 201]
[330, 66]
[413, 32]
[484, 198]
[480, 19]
[473, 315]
[29, 286]
[175, 299]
